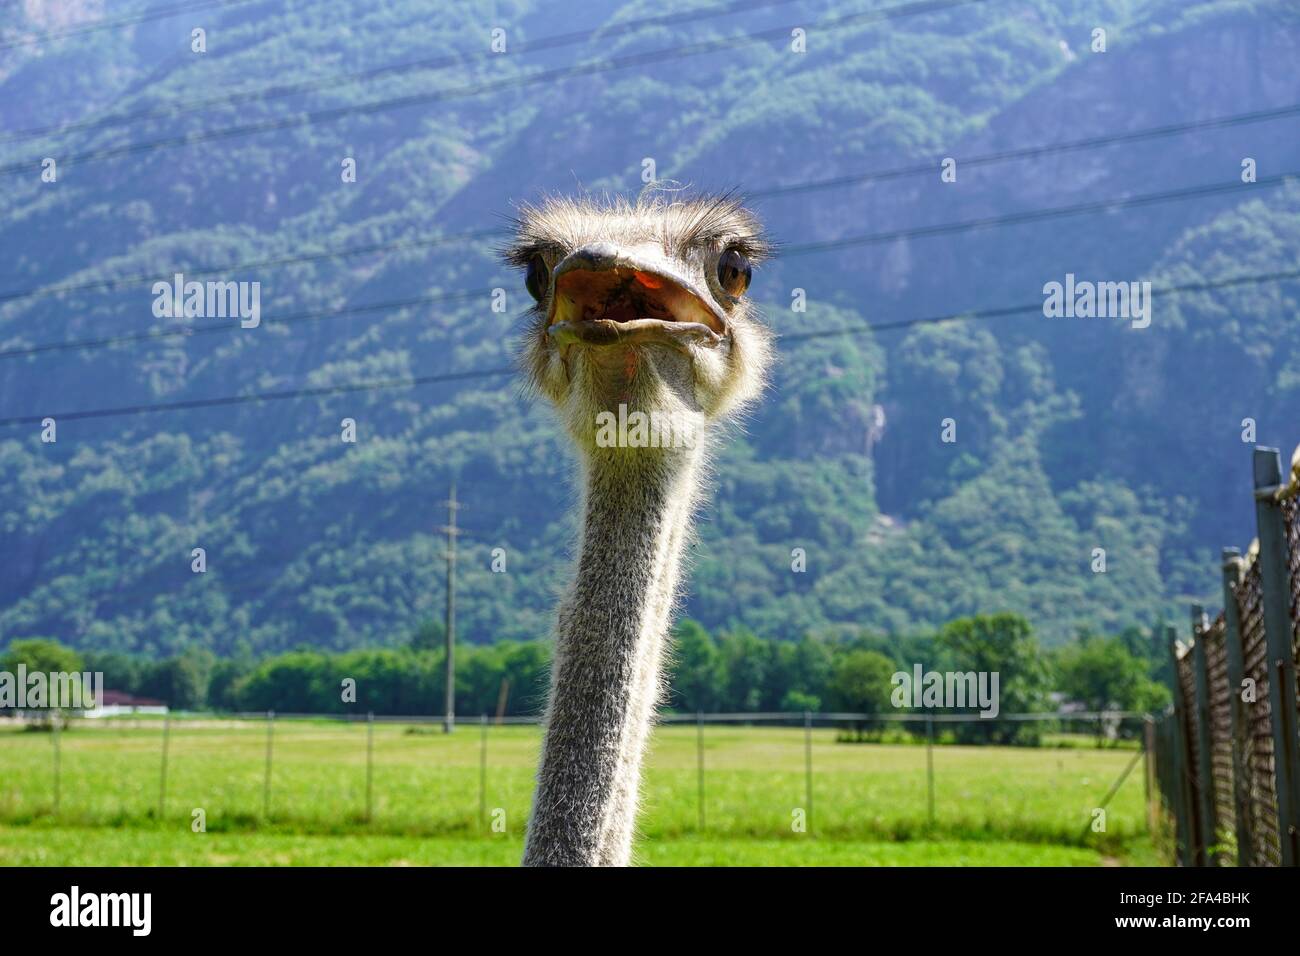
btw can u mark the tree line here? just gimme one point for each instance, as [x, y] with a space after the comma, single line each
[730, 671]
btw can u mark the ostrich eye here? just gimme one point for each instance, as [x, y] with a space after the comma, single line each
[537, 277]
[734, 272]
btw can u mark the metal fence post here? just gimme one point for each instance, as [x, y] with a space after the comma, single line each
[929, 766]
[1236, 674]
[807, 759]
[162, 776]
[266, 778]
[1185, 828]
[1201, 710]
[1149, 769]
[482, 770]
[1276, 601]
[370, 765]
[58, 768]
[699, 763]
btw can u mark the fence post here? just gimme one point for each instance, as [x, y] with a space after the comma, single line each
[807, 759]
[1236, 674]
[58, 767]
[266, 778]
[1185, 822]
[482, 771]
[929, 766]
[370, 765]
[1149, 769]
[1276, 601]
[1201, 710]
[699, 762]
[162, 776]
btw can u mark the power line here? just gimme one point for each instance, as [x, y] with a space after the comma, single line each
[317, 391]
[350, 388]
[80, 344]
[118, 281]
[153, 13]
[1037, 215]
[224, 581]
[1030, 152]
[547, 77]
[472, 236]
[426, 63]
[982, 314]
[794, 250]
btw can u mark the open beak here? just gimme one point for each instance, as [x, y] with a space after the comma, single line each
[606, 295]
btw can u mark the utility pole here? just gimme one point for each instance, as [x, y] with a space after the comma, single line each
[449, 723]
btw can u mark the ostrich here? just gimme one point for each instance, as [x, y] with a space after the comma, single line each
[639, 305]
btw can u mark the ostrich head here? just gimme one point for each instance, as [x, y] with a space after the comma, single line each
[643, 305]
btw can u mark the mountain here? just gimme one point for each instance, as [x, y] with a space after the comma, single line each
[1071, 434]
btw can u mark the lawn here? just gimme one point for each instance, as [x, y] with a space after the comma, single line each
[463, 799]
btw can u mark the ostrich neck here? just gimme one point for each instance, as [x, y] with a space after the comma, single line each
[605, 679]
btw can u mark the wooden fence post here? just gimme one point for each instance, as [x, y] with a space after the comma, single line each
[1276, 601]
[1201, 713]
[1240, 732]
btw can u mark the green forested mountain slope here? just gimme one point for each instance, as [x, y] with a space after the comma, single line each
[1071, 434]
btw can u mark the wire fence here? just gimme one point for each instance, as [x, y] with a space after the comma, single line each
[722, 775]
[1228, 754]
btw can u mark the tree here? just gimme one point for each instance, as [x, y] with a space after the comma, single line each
[295, 682]
[181, 681]
[41, 655]
[1098, 673]
[431, 635]
[798, 673]
[860, 682]
[1004, 644]
[1102, 674]
[797, 702]
[745, 659]
[226, 674]
[696, 678]
[121, 671]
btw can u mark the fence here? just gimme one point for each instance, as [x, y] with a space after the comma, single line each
[1228, 754]
[720, 775]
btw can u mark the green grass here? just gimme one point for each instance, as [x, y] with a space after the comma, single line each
[63, 846]
[1010, 806]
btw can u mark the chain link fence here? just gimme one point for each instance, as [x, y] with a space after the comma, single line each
[1228, 754]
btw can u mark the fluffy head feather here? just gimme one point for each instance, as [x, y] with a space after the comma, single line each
[694, 382]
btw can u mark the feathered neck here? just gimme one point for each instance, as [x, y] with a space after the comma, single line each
[612, 629]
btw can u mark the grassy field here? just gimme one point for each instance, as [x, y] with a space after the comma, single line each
[1000, 806]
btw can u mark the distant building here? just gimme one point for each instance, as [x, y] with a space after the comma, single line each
[114, 703]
